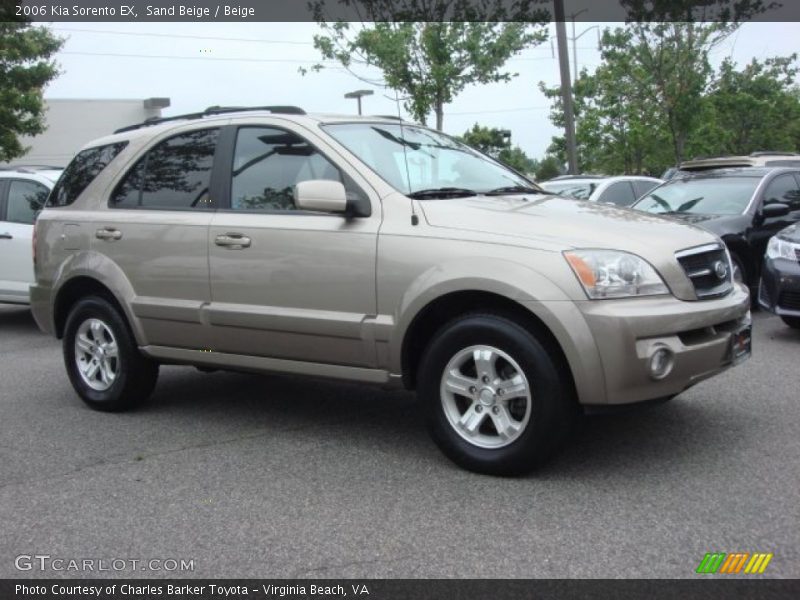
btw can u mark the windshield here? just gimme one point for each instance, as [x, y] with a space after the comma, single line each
[412, 159]
[572, 189]
[710, 196]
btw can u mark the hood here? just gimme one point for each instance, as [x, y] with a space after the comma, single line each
[559, 223]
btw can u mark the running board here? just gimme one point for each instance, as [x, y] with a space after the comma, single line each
[260, 364]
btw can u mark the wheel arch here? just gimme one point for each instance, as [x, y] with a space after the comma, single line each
[443, 309]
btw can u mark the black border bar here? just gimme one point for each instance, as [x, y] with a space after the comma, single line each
[739, 587]
[396, 10]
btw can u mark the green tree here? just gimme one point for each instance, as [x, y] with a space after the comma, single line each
[756, 108]
[547, 168]
[497, 144]
[26, 66]
[430, 50]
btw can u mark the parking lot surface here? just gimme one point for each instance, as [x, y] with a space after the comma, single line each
[268, 476]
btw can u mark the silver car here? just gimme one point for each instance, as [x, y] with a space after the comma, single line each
[373, 250]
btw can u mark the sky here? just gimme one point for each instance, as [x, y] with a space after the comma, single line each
[198, 65]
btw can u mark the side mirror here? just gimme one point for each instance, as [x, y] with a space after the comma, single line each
[324, 195]
[776, 209]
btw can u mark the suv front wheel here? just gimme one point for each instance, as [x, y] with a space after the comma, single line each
[496, 401]
[103, 363]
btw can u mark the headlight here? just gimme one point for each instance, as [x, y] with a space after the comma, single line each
[778, 248]
[614, 274]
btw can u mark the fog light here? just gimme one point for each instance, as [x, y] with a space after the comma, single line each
[661, 363]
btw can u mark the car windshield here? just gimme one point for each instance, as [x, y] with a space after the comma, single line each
[708, 195]
[572, 189]
[414, 159]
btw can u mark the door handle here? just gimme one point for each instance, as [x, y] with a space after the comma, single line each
[234, 241]
[108, 233]
[6, 236]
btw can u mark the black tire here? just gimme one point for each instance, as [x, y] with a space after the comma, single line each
[135, 376]
[552, 405]
[793, 322]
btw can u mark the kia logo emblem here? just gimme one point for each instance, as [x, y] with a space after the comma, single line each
[720, 269]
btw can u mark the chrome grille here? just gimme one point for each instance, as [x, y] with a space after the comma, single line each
[709, 270]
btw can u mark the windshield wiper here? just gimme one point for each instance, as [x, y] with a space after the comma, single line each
[513, 189]
[442, 192]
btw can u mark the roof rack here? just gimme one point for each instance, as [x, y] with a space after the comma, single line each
[214, 110]
[773, 153]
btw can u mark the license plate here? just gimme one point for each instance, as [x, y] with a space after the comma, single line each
[741, 344]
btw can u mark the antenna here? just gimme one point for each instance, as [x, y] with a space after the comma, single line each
[414, 217]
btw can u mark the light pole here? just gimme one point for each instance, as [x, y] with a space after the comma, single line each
[574, 39]
[358, 94]
[566, 86]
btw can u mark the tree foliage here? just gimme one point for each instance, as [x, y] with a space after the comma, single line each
[430, 50]
[655, 101]
[497, 144]
[26, 66]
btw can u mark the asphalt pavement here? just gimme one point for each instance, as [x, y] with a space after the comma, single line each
[281, 477]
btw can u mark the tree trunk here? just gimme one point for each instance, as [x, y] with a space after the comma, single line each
[439, 115]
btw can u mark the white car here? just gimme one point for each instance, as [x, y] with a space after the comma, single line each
[23, 191]
[622, 191]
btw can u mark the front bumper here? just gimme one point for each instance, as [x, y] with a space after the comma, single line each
[779, 291]
[698, 335]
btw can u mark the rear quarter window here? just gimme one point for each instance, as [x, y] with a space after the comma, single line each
[81, 171]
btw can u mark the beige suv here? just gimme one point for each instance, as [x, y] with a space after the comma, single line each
[373, 250]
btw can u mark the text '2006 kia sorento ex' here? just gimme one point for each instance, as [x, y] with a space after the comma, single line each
[378, 251]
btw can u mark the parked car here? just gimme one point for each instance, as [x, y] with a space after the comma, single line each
[622, 191]
[756, 159]
[370, 250]
[779, 291]
[23, 191]
[745, 207]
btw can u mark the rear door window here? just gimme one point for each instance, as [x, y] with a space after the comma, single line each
[81, 171]
[175, 174]
[25, 200]
[620, 193]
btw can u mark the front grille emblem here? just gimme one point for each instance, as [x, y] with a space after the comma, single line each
[720, 270]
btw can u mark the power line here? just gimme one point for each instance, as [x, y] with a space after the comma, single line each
[216, 58]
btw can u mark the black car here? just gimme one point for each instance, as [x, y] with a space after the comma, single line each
[745, 207]
[779, 291]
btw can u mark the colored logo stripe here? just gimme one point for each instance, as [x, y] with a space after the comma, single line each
[711, 562]
[758, 564]
[719, 562]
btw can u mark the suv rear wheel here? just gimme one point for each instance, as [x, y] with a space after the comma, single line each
[495, 399]
[103, 363]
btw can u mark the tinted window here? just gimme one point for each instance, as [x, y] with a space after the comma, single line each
[707, 195]
[25, 199]
[643, 186]
[268, 163]
[174, 174]
[620, 193]
[783, 189]
[83, 169]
